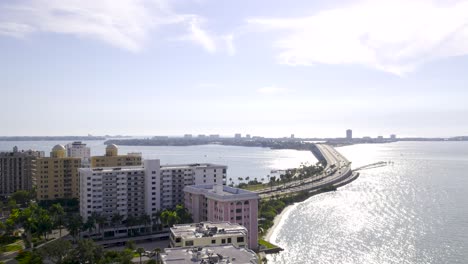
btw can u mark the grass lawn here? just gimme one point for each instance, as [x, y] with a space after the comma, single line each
[267, 244]
[10, 248]
[256, 187]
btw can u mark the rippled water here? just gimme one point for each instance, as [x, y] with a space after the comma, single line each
[241, 161]
[415, 211]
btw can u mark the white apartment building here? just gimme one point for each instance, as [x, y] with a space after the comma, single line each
[78, 149]
[137, 190]
[128, 191]
[175, 177]
[208, 234]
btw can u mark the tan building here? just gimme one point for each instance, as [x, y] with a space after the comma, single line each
[17, 170]
[222, 254]
[208, 234]
[57, 175]
[113, 159]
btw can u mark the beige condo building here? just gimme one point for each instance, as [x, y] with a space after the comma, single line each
[57, 175]
[113, 159]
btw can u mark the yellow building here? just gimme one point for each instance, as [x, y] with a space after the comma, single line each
[113, 159]
[57, 176]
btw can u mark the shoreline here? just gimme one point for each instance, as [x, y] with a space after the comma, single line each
[277, 221]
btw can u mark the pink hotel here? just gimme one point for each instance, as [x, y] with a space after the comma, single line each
[218, 203]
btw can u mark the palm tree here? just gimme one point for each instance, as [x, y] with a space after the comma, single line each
[91, 223]
[74, 225]
[58, 214]
[157, 219]
[145, 219]
[116, 220]
[157, 251]
[140, 251]
[100, 221]
[130, 222]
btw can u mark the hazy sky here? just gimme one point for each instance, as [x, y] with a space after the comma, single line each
[271, 68]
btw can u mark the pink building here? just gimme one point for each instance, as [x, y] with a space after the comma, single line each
[218, 203]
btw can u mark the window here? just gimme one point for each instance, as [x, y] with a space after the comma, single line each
[240, 239]
[229, 240]
[213, 241]
[223, 241]
[189, 243]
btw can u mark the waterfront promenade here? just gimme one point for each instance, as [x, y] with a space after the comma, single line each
[337, 173]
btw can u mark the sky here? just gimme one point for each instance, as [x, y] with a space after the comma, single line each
[259, 67]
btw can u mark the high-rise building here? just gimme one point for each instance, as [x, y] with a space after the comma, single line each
[188, 136]
[349, 134]
[292, 136]
[238, 136]
[17, 170]
[113, 159]
[393, 136]
[127, 191]
[175, 177]
[78, 149]
[134, 190]
[57, 175]
[218, 203]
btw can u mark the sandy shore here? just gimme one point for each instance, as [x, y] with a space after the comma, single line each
[278, 221]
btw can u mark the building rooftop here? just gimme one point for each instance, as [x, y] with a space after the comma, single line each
[208, 229]
[184, 166]
[112, 169]
[210, 255]
[220, 192]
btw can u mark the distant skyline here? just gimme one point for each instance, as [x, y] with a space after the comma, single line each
[156, 67]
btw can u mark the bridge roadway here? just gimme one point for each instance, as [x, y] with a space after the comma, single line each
[337, 171]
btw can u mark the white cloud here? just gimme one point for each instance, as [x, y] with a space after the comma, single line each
[394, 36]
[271, 90]
[231, 50]
[124, 23]
[200, 36]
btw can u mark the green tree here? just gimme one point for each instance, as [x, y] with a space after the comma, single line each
[145, 220]
[44, 223]
[55, 251]
[86, 251]
[130, 222]
[58, 215]
[183, 214]
[169, 218]
[21, 197]
[74, 226]
[156, 219]
[100, 221]
[28, 257]
[116, 220]
[130, 245]
[140, 251]
[157, 251]
[121, 257]
[12, 204]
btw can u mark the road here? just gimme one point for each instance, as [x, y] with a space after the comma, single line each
[337, 171]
